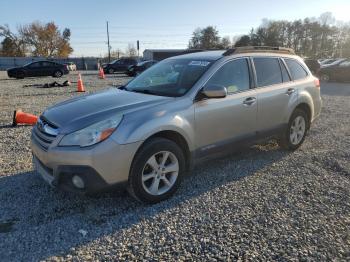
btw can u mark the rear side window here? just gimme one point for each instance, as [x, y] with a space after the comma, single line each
[295, 69]
[233, 75]
[47, 64]
[268, 71]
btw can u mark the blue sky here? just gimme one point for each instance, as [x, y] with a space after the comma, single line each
[158, 23]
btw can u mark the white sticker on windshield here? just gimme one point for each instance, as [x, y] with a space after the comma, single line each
[199, 63]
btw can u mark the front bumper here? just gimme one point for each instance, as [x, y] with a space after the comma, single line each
[101, 166]
[11, 74]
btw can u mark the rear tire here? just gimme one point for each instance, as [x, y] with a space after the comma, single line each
[325, 77]
[156, 171]
[296, 131]
[58, 74]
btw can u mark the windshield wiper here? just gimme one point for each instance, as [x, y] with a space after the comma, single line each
[144, 91]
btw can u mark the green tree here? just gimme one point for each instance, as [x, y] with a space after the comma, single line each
[243, 41]
[205, 38]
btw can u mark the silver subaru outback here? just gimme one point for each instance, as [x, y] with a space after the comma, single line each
[146, 135]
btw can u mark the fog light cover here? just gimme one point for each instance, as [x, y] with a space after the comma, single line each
[78, 182]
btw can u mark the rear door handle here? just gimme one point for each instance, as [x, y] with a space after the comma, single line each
[290, 91]
[249, 101]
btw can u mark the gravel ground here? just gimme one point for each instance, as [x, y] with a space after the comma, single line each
[261, 204]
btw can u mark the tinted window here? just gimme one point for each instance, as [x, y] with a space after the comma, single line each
[233, 75]
[268, 71]
[47, 64]
[295, 69]
[285, 76]
[34, 65]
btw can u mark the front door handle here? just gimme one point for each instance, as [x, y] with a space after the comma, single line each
[290, 91]
[249, 101]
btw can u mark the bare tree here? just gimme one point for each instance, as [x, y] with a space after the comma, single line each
[12, 45]
[131, 50]
[310, 37]
[117, 53]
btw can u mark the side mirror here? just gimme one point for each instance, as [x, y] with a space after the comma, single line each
[214, 91]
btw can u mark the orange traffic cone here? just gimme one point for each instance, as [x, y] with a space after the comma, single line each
[80, 85]
[101, 74]
[23, 118]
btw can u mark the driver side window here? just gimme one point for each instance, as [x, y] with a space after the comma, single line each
[35, 65]
[233, 75]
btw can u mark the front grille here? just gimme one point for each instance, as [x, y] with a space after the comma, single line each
[44, 133]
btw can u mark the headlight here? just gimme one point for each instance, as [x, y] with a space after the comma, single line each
[92, 134]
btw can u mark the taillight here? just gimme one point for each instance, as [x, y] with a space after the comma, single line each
[317, 82]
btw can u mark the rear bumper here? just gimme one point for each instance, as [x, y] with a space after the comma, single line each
[317, 109]
[101, 167]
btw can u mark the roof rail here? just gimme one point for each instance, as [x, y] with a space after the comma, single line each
[253, 49]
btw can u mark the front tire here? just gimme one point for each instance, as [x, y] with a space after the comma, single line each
[110, 71]
[58, 74]
[157, 170]
[20, 75]
[296, 131]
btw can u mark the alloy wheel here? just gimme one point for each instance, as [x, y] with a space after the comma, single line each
[58, 74]
[297, 130]
[325, 77]
[160, 173]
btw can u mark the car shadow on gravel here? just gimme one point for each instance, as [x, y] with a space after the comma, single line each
[44, 222]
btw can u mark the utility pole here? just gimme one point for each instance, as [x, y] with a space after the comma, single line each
[138, 48]
[109, 47]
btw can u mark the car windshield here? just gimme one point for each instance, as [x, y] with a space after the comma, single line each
[114, 61]
[173, 77]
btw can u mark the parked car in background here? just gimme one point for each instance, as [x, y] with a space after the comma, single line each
[40, 68]
[119, 65]
[337, 71]
[313, 65]
[146, 135]
[140, 67]
[71, 66]
[328, 61]
[335, 62]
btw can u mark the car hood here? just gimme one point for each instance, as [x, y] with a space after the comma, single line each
[14, 68]
[82, 111]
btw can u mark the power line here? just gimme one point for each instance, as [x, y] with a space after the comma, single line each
[109, 47]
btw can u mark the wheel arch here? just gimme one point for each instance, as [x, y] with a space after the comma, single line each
[58, 70]
[307, 109]
[177, 138]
